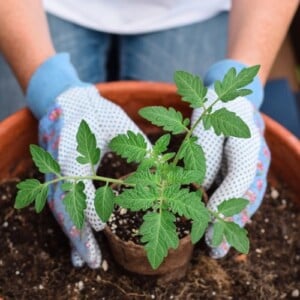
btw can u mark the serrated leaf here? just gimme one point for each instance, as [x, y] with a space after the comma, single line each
[75, 204]
[236, 237]
[232, 206]
[146, 163]
[218, 231]
[159, 233]
[228, 123]
[41, 199]
[198, 229]
[138, 198]
[66, 186]
[167, 118]
[44, 160]
[168, 156]
[87, 145]
[104, 202]
[193, 157]
[178, 175]
[206, 122]
[142, 177]
[131, 146]
[233, 83]
[245, 92]
[161, 145]
[28, 191]
[186, 122]
[191, 88]
[186, 203]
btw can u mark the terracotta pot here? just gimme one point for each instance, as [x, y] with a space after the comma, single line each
[20, 130]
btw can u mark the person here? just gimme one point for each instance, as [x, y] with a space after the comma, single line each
[57, 57]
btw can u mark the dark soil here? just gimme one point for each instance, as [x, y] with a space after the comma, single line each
[35, 259]
[125, 224]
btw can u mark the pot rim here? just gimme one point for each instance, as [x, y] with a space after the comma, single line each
[20, 130]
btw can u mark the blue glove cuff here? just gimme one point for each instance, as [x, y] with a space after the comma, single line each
[219, 69]
[51, 78]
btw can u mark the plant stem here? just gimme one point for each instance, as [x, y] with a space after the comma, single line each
[216, 215]
[190, 131]
[90, 177]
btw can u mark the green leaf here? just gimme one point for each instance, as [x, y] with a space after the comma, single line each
[87, 145]
[236, 237]
[191, 88]
[131, 146]
[232, 206]
[66, 186]
[167, 156]
[142, 177]
[138, 198]
[74, 202]
[193, 157]
[31, 190]
[161, 145]
[159, 233]
[41, 199]
[206, 122]
[178, 175]
[186, 203]
[198, 229]
[44, 160]
[104, 202]
[229, 124]
[218, 231]
[232, 84]
[167, 118]
[146, 163]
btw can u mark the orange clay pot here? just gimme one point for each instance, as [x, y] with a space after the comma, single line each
[20, 130]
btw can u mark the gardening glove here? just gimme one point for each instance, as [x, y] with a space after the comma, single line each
[242, 163]
[60, 101]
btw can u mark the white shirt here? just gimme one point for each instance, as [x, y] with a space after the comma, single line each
[135, 16]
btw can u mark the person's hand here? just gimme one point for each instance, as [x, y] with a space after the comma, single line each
[241, 164]
[60, 101]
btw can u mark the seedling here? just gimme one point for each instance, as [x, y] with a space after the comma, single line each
[159, 186]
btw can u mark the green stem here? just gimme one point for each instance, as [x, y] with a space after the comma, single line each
[216, 215]
[90, 177]
[190, 131]
[93, 170]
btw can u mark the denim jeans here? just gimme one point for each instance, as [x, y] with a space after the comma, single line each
[153, 56]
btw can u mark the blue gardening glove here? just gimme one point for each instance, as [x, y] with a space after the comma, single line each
[60, 101]
[243, 163]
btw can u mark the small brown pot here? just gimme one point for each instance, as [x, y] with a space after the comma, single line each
[133, 258]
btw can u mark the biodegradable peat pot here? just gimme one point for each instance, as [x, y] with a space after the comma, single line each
[132, 257]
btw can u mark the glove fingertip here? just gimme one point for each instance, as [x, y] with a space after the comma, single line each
[95, 261]
[76, 260]
[217, 253]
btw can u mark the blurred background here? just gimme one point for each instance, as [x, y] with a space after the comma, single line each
[282, 92]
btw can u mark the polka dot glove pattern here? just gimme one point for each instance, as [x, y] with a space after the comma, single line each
[242, 164]
[57, 134]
